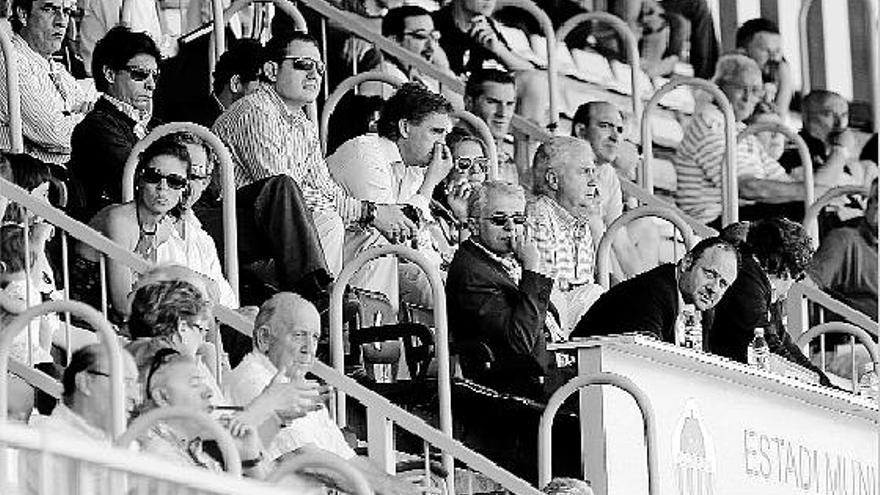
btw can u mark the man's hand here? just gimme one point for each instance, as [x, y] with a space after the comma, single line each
[481, 32]
[457, 198]
[245, 436]
[393, 224]
[526, 250]
[290, 400]
[438, 168]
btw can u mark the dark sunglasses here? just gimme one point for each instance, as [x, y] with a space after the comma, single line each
[161, 358]
[500, 220]
[306, 64]
[464, 164]
[140, 74]
[174, 181]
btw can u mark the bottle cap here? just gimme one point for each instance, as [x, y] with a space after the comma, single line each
[759, 330]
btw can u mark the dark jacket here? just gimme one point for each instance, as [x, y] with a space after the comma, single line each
[485, 306]
[647, 303]
[100, 146]
[744, 307]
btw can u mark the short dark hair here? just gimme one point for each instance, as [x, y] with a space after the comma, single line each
[752, 27]
[474, 86]
[276, 47]
[158, 308]
[819, 96]
[244, 59]
[714, 242]
[584, 113]
[393, 23]
[116, 48]
[83, 359]
[460, 135]
[782, 247]
[27, 5]
[413, 102]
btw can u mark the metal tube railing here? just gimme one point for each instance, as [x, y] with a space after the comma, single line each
[107, 338]
[811, 214]
[16, 138]
[859, 334]
[285, 6]
[796, 308]
[545, 428]
[552, 63]
[219, 33]
[318, 459]
[603, 252]
[630, 43]
[142, 424]
[227, 179]
[729, 191]
[803, 153]
[874, 59]
[804, 44]
[441, 339]
[342, 89]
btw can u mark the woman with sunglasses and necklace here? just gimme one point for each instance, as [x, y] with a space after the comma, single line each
[150, 226]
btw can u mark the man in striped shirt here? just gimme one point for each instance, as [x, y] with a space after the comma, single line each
[269, 134]
[52, 102]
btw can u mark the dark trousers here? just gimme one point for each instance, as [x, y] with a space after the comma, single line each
[276, 229]
[704, 44]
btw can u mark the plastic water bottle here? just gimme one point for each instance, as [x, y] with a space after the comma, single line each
[693, 331]
[758, 353]
[869, 383]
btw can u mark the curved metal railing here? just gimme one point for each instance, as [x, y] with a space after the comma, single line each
[804, 44]
[811, 214]
[545, 428]
[729, 191]
[142, 424]
[107, 339]
[299, 463]
[227, 180]
[603, 251]
[797, 309]
[441, 337]
[16, 139]
[552, 64]
[352, 82]
[631, 45]
[855, 333]
[803, 153]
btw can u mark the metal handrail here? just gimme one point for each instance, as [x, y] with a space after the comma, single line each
[16, 138]
[796, 309]
[342, 89]
[321, 459]
[36, 378]
[552, 64]
[285, 6]
[859, 334]
[441, 339]
[142, 424]
[874, 50]
[603, 251]
[646, 199]
[631, 45]
[811, 214]
[803, 153]
[545, 428]
[729, 191]
[804, 44]
[227, 182]
[108, 339]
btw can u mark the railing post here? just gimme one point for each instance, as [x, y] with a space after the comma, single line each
[16, 139]
[380, 441]
[630, 43]
[804, 44]
[729, 189]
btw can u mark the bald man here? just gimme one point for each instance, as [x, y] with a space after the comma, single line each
[286, 334]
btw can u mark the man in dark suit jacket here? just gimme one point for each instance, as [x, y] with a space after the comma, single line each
[496, 298]
[651, 302]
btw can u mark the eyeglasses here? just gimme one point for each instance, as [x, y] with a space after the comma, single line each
[500, 219]
[423, 35]
[306, 64]
[129, 382]
[756, 91]
[198, 177]
[56, 10]
[153, 176]
[139, 74]
[479, 163]
[161, 358]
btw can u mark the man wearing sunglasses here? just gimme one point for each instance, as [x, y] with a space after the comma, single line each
[52, 102]
[269, 134]
[498, 297]
[126, 69]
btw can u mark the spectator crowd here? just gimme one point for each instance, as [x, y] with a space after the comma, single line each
[515, 240]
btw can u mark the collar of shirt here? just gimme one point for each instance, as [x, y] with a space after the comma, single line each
[63, 414]
[509, 263]
[296, 117]
[141, 118]
[260, 360]
[562, 217]
[192, 448]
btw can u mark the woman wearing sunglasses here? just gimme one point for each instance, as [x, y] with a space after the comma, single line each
[449, 204]
[150, 226]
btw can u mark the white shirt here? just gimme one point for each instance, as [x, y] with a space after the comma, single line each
[101, 15]
[248, 380]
